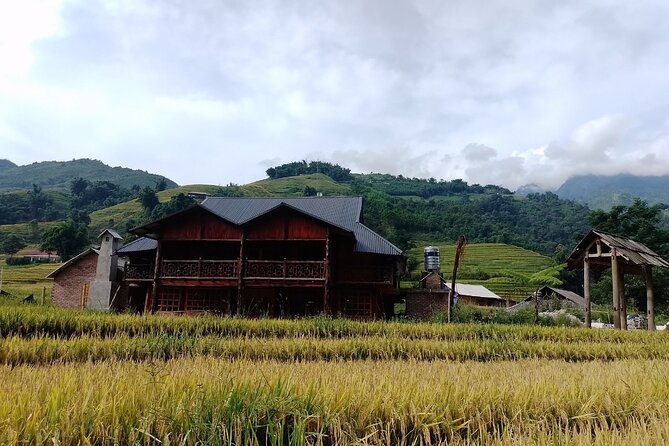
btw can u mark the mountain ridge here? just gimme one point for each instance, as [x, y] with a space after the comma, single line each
[59, 174]
[606, 191]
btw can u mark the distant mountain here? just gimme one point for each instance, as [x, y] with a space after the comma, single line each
[58, 174]
[6, 164]
[528, 189]
[603, 192]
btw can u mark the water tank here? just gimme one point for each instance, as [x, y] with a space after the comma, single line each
[431, 254]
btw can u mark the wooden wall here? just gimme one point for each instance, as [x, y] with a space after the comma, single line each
[200, 225]
[285, 224]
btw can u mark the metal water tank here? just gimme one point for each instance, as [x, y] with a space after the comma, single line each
[431, 254]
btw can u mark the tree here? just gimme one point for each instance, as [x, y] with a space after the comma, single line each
[642, 223]
[67, 239]
[12, 244]
[161, 184]
[148, 199]
[177, 203]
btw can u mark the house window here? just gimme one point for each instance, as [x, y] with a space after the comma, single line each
[169, 299]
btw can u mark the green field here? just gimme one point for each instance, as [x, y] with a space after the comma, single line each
[22, 280]
[83, 378]
[504, 269]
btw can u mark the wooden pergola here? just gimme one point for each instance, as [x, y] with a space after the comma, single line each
[599, 250]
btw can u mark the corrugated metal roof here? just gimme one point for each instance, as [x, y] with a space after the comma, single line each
[112, 233]
[633, 251]
[341, 212]
[465, 289]
[140, 244]
[569, 295]
[369, 241]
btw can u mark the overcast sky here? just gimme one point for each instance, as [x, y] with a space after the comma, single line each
[506, 92]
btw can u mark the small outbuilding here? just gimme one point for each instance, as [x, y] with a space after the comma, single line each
[90, 279]
[549, 298]
[600, 250]
[431, 296]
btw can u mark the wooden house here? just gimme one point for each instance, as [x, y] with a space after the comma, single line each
[263, 257]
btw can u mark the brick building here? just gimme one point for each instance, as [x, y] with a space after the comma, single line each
[94, 268]
[431, 296]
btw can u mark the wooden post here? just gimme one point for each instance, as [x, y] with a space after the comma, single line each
[240, 274]
[326, 288]
[586, 291]
[43, 294]
[650, 308]
[623, 298]
[616, 290]
[156, 275]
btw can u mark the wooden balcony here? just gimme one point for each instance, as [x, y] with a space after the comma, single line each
[199, 269]
[284, 269]
[292, 270]
[139, 272]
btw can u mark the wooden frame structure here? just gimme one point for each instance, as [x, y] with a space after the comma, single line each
[264, 257]
[600, 250]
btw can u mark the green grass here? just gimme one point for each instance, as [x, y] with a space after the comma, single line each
[292, 186]
[504, 269]
[22, 280]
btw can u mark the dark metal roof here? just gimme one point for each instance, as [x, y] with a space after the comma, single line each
[140, 244]
[369, 241]
[112, 233]
[632, 251]
[340, 212]
[569, 295]
[565, 294]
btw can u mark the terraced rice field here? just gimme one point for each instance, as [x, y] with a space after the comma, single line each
[507, 267]
[73, 377]
[22, 280]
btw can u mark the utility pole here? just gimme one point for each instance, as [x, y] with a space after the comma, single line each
[459, 249]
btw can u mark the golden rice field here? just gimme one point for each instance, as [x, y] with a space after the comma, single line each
[80, 378]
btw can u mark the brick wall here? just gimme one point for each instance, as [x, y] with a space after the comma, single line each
[421, 304]
[68, 284]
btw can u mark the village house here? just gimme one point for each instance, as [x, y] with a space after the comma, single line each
[259, 257]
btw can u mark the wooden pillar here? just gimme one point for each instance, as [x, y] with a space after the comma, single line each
[622, 297]
[156, 276]
[615, 285]
[650, 306]
[326, 286]
[586, 291]
[240, 275]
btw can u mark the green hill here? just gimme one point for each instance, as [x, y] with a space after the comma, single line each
[504, 269]
[58, 174]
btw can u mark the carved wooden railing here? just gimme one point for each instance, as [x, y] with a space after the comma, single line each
[207, 269]
[365, 274]
[284, 269]
[139, 272]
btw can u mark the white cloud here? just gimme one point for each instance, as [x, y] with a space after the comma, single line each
[213, 91]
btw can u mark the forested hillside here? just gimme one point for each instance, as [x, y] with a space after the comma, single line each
[59, 174]
[404, 210]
